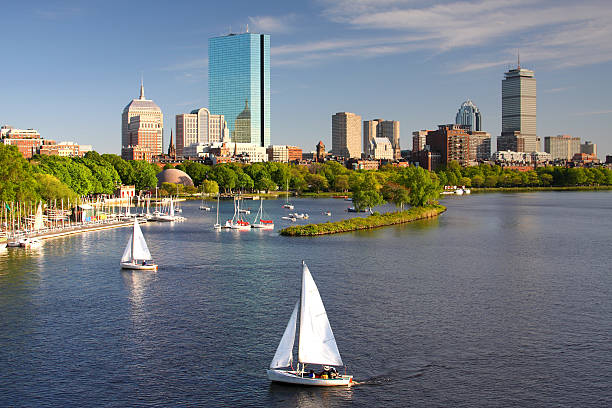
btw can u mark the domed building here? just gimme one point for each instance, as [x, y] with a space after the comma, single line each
[173, 176]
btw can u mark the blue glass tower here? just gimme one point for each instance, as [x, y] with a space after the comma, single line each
[239, 85]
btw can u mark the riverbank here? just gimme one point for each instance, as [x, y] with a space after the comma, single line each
[361, 223]
[533, 189]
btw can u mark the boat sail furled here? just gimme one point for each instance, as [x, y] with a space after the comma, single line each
[316, 342]
[136, 253]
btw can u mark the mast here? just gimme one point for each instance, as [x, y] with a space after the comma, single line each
[133, 238]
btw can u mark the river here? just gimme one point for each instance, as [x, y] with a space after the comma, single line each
[504, 300]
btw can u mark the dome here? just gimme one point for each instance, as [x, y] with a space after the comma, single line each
[173, 176]
[142, 105]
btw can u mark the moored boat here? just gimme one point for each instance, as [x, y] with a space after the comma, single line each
[316, 343]
[259, 222]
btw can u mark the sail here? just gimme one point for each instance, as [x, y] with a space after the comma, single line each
[141, 251]
[38, 220]
[317, 344]
[284, 352]
[127, 253]
[171, 207]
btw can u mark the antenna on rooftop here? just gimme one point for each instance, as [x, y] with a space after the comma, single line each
[518, 56]
[247, 30]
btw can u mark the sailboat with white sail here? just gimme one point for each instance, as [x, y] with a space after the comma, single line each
[287, 205]
[316, 343]
[217, 225]
[259, 222]
[136, 254]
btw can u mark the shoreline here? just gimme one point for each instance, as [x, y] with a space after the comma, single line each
[537, 189]
[364, 223]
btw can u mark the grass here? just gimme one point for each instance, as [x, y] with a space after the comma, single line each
[361, 223]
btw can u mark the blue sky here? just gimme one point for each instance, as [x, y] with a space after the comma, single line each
[69, 68]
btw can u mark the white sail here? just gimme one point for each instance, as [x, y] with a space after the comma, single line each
[38, 220]
[171, 207]
[127, 253]
[284, 352]
[317, 344]
[141, 251]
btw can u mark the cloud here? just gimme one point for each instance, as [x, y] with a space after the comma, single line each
[560, 33]
[273, 24]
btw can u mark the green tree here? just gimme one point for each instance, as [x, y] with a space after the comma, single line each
[366, 193]
[145, 175]
[225, 176]
[122, 167]
[341, 183]
[16, 180]
[210, 187]
[490, 181]
[317, 182]
[49, 188]
[396, 193]
[478, 180]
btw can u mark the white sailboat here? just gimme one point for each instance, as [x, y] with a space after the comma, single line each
[316, 343]
[217, 225]
[136, 254]
[287, 205]
[259, 222]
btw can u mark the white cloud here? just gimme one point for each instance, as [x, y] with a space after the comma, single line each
[556, 32]
[272, 24]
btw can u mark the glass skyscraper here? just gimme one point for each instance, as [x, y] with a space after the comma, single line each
[469, 115]
[239, 85]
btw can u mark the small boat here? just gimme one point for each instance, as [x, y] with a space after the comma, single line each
[353, 209]
[30, 242]
[259, 222]
[237, 222]
[287, 205]
[289, 218]
[328, 213]
[136, 255]
[13, 244]
[316, 343]
[243, 211]
[205, 208]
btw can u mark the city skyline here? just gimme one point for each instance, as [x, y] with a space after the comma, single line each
[319, 51]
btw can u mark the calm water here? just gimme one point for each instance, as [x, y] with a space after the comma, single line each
[505, 300]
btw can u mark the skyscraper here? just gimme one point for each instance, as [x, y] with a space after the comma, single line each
[239, 85]
[346, 135]
[381, 128]
[199, 127]
[142, 126]
[469, 115]
[519, 106]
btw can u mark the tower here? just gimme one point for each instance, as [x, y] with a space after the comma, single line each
[239, 71]
[519, 107]
[142, 124]
[469, 115]
[346, 135]
[171, 148]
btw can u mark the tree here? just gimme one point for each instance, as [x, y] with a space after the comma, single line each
[490, 180]
[210, 187]
[49, 188]
[341, 183]
[244, 181]
[365, 193]
[16, 180]
[317, 182]
[396, 193]
[477, 180]
[225, 176]
[122, 167]
[168, 166]
[145, 175]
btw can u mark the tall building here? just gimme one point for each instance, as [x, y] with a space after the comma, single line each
[199, 127]
[389, 129]
[452, 142]
[142, 125]
[239, 85]
[469, 116]
[562, 147]
[589, 148]
[419, 140]
[320, 152]
[480, 146]
[519, 106]
[346, 135]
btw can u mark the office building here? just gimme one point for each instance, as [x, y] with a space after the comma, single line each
[239, 85]
[519, 107]
[346, 135]
[562, 147]
[321, 154]
[381, 149]
[589, 148]
[480, 146]
[469, 116]
[142, 125]
[28, 141]
[452, 142]
[419, 140]
[389, 129]
[284, 153]
[199, 127]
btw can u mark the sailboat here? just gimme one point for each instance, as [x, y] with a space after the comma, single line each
[238, 222]
[217, 225]
[287, 205]
[259, 222]
[136, 254]
[316, 343]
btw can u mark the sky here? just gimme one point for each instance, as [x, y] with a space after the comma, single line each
[69, 67]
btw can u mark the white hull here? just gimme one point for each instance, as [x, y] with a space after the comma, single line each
[292, 377]
[30, 243]
[263, 226]
[240, 227]
[204, 208]
[13, 244]
[289, 206]
[138, 267]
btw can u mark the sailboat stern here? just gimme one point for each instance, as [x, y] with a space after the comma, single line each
[299, 378]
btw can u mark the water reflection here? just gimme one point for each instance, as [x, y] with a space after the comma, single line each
[307, 397]
[138, 283]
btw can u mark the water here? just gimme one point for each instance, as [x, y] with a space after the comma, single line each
[502, 301]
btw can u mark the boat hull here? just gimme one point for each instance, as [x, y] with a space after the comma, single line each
[138, 267]
[291, 377]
